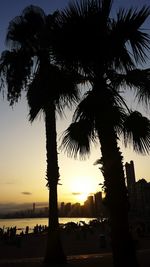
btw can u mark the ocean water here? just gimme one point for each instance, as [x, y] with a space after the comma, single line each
[31, 222]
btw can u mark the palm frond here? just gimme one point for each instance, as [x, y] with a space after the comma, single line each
[136, 80]
[27, 29]
[120, 58]
[98, 162]
[59, 86]
[66, 88]
[87, 108]
[136, 131]
[128, 25]
[139, 80]
[89, 8]
[86, 21]
[77, 139]
[15, 72]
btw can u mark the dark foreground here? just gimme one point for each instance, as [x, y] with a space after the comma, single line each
[91, 260]
[85, 250]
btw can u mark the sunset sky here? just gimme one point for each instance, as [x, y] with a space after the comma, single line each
[22, 144]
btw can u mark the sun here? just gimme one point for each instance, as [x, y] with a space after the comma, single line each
[81, 188]
[82, 197]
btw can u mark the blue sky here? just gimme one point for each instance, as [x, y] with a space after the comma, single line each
[22, 144]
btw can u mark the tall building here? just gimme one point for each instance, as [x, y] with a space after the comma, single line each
[89, 206]
[130, 174]
[98, 204]
[33, 210]
[138, 192]
[131, 184]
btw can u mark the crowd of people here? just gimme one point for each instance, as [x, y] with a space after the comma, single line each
[13, 235]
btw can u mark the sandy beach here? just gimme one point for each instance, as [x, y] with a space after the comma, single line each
[34, 245]
[81, 250]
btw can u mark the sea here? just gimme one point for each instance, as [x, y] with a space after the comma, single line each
[21, 223]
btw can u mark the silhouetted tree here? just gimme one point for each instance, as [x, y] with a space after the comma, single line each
[108, 51]
[29, 66]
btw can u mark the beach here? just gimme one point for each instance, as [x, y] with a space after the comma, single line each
[81, 250]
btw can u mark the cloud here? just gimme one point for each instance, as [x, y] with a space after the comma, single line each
[80, 193]
[26, 193]
[7, 182]
[76, 193]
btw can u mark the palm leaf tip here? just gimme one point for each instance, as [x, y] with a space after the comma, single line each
[137, 132]
[132, 21]
[76, 140]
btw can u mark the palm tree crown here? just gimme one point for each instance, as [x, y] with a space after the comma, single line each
[108, 51]
[30, 66]
[95, 39]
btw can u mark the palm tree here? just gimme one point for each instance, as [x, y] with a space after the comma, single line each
[108, 51]
[87, 127]
[29, 65]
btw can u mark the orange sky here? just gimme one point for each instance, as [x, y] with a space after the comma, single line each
[22, 145]
[23, 162]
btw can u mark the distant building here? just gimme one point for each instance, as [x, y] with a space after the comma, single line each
[67, 209]
[33, 208]
[143, 198]
[93, 207]
[76, 210]
[130, 175]
[139, 194]
[98, 204]
[131, 183]
[89, 206]
[62, 209]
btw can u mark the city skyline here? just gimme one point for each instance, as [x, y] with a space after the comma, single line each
[91, 207]
[130, 178]
[23, 155]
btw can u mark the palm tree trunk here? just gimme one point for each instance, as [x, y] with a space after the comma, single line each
[54, 251]
[123, 249]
